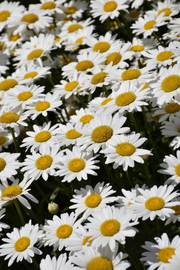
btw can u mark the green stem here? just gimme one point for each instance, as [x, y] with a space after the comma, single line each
[81, 100]
[134, 122]
[119, 23]
[50, 80]
[111, 179]
[162, 44]
[16, 203]
[157, 226]
[127, 251]
[108, 24]
[35, 263]
[105, 90]
[42, 193]
[129, 179]
[64, 107]
[14, 140]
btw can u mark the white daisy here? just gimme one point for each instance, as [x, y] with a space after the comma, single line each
[50, 7]
[55, 263]
[5, 139]
[82, 115]
[8, 165]
[174, 261]
[167, 111]
[168, 8]
[174, 217]
[97, 104]
[74, 9]
[73, 26]
[2, 224]
[140, 45]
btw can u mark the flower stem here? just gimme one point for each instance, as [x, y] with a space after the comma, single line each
[14, 140]
[81, 100]
[16, 203]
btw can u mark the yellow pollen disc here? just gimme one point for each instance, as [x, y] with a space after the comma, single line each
[86, 240]
[9, 117]
[101, 134]
[30, 75]
[67, 59]
[93, 200]
[51, 27]
[24, 96]
[80, 40]
[76, 164]
[2, 45]
[42, 106]
[70, 10]
[42, 136]
[172, 107]
[154, 203]
[4, 15]
[84, 65]
[7, 84]
[70, 86]
[98, 78]
[101, 46]
[176, 209]
[48, 5]
[44, 162]
[113, 24]
[72, 134]
[57, 38]
[11, 191]
[125, 149]
[165, 254]
[2, 140]
[86, 119]
[100, 263]
[2, 164]
[145, 85]
[14, 37]
[125, 99]
[64, 231]
[177, 169]
[137, 48]
[74, 27]
[170, 83]
[149, 25]
[104, 102]
[130, 74]
[113, 57]
[30, 18]
[163, 56]
[110, 227]
[67, 19]
[35, 54]
[167, 11]
[22, 244]
[134, 14]
[110, 6]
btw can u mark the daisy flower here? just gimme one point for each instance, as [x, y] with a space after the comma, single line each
[109, 226]
[74, 9]
[20, 243]
[9, 83]
[174, 261]
[8, 165]
[107, 9]
[82, 115]
[50, 7]
[156, 201]
[168, 8]
[171, 128]
[124, 150]
[97, 104]
[174, 217]
[2, 224]
[55, 263]
[60, 230]
[77, 164]
[89, 200]
[73, 26]
[5, 139]
[42, 164]
[138, 46]
[157, 255]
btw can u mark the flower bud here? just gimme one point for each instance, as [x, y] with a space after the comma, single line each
[53, 208]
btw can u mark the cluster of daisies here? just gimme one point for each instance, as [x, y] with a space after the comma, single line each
[90, 134]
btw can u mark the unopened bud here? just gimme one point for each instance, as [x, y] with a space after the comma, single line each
[53, 208]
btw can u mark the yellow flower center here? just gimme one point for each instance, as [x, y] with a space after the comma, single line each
[84, 65]
[48, 5]
[113, 57]
[172, 107]
[24, 96]
[14, 37]
[93, 200]
[167, 11]
[76, 164]
[165, 254]
[67, 59]
[149, 25]
[98, 78]
[163, 56]
[104, 102]
[154, 203]
[177, 169]
[110, 6]
[70, 10]
[11, 191]
[42, 136]
[74, 27]
[80, 40]
[130, 74]
[9, 117]
[30, 18]
[145, 85]
[1, 46]
[137, 48]
[64, 231]
[30, 75]
[125, 149]
[101, 134]
[44, 162]
[57, 38]
[35, 54]
[42, 106]
[134, 14]
[22, 244]
[71, 85]
[7, 84]
[52, 26]
[2, 140]
[72, 134]
[170, 83]
[86, 119]
[125, 99]
[100, 263]
[2, 164]
[176, 208]
[86, 240]
[110, 227]
[101, 46]
[4, 15]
